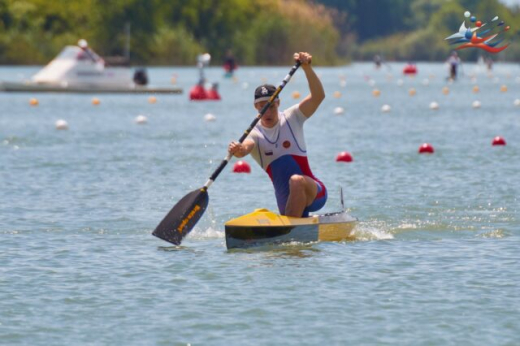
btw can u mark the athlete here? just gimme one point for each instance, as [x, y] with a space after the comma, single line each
[277, 144]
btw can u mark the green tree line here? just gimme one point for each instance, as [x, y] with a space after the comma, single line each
[174, 32]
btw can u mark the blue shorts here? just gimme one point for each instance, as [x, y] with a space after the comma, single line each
[319, 200]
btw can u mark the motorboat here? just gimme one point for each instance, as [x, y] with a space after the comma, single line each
[79, 69]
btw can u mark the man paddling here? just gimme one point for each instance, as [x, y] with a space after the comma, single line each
[277, 144]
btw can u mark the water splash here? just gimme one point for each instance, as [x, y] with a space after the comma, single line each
[372, 230]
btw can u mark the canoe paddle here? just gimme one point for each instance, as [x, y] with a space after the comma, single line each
[187, 212]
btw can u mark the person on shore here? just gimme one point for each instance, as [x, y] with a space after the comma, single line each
[230, 64]
[453, 62]
[378, 61]
[277, 144]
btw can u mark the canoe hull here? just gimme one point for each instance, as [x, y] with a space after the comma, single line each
[263, 227]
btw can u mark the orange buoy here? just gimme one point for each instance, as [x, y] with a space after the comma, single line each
[33, 102]
[95, 101]
[503, 88]
[499, 141]
[376, 92]
[337, 94]
[426, 148]
[296, 95]
[476, 89]
[152, 99]
[445, 90]
[412, 91]
[241, 167]
[344, 157]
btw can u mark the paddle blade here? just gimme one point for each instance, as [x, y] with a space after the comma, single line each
[183, 216]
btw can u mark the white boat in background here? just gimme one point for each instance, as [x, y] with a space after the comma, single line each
[80, 69]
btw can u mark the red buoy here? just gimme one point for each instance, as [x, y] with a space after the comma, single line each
[198, 93]
[241, 167]
[410, 69]
[499, 141]
[344, 157]
[213, 94]
[426, 148]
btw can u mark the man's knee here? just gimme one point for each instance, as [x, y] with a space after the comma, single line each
[297, 182]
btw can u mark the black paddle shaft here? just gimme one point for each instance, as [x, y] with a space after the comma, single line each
[256, 120]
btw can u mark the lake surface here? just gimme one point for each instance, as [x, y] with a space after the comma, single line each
[436, 259]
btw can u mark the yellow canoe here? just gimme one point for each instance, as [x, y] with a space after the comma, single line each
[263, 227]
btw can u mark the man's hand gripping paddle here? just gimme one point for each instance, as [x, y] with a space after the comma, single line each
[187, 212]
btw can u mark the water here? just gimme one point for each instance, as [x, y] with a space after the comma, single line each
[436, 256]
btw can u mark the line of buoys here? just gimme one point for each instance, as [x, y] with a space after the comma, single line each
[241, 167]
[426, 148]
[141, 119]
[61, 125]
[498, 141]
[344, 156]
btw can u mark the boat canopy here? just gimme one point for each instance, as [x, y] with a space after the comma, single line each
[81, 66]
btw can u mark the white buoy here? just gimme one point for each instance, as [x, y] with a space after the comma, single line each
[517, 103]
[400, 82]
[476, 104]
[371, 82]
[426, 82]
[343, 83]
[141, 119]
[210, 117]
[245, 85]
[386, 108]
[434, 106]
[339, 110]
[61, 125]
